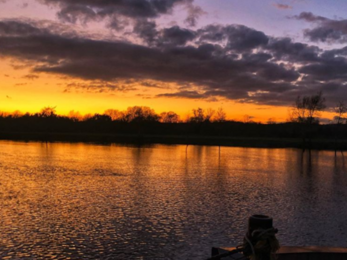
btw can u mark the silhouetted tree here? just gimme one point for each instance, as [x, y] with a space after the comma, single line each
[247, 119]
[198, 116]
[208, 115]
[47, 112]
[169, 117]
[115, 114]
[306, 112]
[270, 121]
[100, 118]
[307, 109]
[17, 114]
[86, 117]
[220, 115]
[340, 110]
[74, 116]
[140, 114]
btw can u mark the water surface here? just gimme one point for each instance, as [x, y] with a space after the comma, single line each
[85, 201]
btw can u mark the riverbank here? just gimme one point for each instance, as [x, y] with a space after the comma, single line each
[260, 142]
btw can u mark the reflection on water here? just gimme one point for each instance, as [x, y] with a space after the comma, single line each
[82, 201]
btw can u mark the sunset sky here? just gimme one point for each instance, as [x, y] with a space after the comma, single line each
[248, 57]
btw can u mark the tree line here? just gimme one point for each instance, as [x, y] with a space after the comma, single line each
[131, 114]
[305, 110]
[303, 122]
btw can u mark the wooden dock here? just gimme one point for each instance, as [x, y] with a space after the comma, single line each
[297, 253]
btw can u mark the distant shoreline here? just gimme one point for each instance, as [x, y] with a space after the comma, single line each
[251, 142]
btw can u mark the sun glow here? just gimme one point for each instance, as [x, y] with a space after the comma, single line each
[28, 92]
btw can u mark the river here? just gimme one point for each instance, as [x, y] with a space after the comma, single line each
[172, 202]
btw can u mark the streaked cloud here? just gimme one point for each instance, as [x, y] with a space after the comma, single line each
[282, 6]
[31, 77]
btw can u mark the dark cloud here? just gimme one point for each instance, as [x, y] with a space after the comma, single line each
[18, 28]
[174, 36]
[177, 36]
[325, 30]
[99, 87]
[147, 30]
[283, 6]
[233, 62]
[287, 50]
[275, 72]
[185, 94]
[256, 57]
[120, 14]
[327, 34]
[86, 10]
[333, 69]
[31, 76]
[335, 53]
[72, 13]
[238, 37]
[310, 17]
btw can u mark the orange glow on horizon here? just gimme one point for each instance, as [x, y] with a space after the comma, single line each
[31, 94]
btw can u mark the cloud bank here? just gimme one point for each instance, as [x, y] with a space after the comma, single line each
[234, 62]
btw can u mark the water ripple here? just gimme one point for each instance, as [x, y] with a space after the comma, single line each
[79, 201]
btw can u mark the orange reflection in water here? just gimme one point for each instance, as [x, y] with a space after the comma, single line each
[96, 201]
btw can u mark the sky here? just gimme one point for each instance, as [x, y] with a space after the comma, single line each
[248, 57]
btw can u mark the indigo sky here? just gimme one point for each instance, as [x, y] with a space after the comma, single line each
[249, 57]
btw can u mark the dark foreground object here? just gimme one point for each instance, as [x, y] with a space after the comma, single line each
[294, 253]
